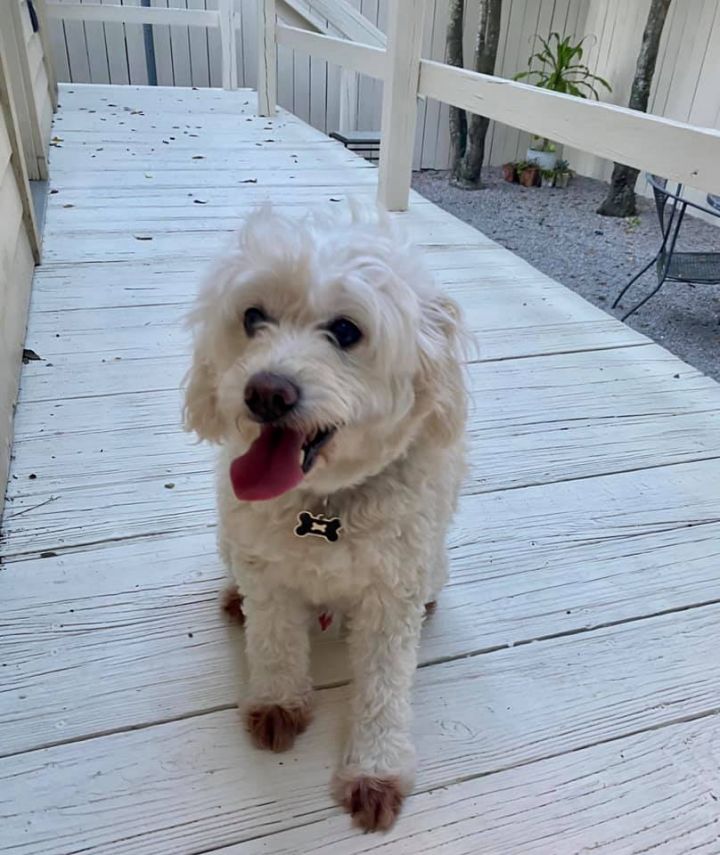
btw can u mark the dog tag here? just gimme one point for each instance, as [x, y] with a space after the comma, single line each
[310, 525]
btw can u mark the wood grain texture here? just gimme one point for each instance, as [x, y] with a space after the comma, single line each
[567, 697]
[145, 613]
[187, 785]
[654, 792]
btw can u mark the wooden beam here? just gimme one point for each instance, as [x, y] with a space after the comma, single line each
[675, 150]
[298, 13]
[41, 9]
[228, 41]
[349, 22]
[17, 53]
[17, 158]
[363, 58]
[399, 107]
[133, 14]
[267, 57]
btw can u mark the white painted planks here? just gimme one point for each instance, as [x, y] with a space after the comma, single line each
[569, 684]
[196, 783]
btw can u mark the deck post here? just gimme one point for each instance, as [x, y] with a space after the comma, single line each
[399, 106]
[228, 41]
[267, 51]
[348, 101]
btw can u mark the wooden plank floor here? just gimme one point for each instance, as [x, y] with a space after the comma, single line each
[569, 688]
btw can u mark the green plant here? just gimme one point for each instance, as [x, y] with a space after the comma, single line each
[547, 173]
[542, 144]
[562, 166]
[562, 71]
[562, 68]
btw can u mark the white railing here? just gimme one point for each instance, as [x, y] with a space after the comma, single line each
[676, 150]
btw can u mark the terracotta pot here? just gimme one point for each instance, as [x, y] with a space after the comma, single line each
[529, 177]
[510, 172]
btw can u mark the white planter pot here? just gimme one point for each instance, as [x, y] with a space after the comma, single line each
[562, 180]
[544, 159]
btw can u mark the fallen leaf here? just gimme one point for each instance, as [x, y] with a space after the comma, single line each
[198, 157]
[249, 181]
[30, 356]
[68, 206]
[142, 237]
[200, 201]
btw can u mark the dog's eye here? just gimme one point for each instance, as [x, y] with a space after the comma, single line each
[252, 319]
[344, 332]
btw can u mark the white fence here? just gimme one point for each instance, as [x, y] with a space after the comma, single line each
[93, 52]
[685, 85]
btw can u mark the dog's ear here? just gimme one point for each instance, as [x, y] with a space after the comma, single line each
[440, 388]
[201, 413]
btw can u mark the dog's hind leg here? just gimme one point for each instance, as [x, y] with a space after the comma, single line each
[231, 601]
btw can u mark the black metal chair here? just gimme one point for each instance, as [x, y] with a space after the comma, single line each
[702, 268]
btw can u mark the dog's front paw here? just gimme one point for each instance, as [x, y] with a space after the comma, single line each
[275, 727]
[373, 802]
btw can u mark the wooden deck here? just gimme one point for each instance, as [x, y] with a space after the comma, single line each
[569, 688]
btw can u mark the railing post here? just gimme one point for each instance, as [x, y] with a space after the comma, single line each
[399, 107]
[267, 48]
[228, 41]
[348, 101]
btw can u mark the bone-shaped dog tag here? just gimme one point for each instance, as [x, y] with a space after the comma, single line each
[318, 526]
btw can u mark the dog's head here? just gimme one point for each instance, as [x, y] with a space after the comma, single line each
[322, 351]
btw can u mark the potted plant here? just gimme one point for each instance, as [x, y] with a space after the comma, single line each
[563, 173]
[547, 177]
[542, 152]
[510, 172]
[528, 173]
[561, 70]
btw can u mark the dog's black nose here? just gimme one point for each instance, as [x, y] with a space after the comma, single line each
[269, 397]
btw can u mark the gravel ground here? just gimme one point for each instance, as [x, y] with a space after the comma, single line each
[559, 232]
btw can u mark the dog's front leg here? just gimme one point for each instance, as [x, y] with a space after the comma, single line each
[278, 651]
[378, 767]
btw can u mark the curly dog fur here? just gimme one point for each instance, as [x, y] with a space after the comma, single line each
[390, 407]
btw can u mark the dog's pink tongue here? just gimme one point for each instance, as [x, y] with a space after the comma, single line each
[270, 467]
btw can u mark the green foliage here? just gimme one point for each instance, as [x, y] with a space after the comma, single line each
[562, 68]
[542, 144]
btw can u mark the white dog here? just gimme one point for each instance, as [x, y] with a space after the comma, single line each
[326, 367]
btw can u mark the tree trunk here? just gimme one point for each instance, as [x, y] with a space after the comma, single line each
[486, 45]
[620, 201]
[454, 56]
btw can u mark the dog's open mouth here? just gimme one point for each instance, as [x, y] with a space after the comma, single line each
[276, 462]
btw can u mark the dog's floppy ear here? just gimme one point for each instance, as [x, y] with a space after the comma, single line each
[440, 388]
[201, 413]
